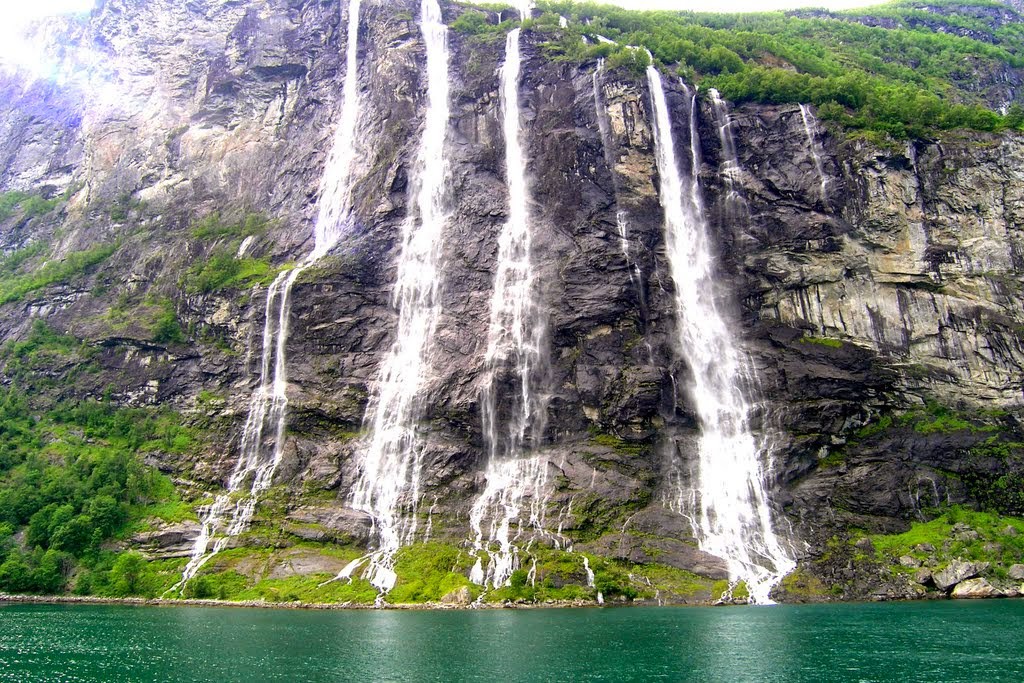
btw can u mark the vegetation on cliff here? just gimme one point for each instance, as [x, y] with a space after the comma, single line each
[895, 69]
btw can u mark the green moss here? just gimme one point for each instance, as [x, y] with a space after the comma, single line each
[314, 588]
[822, 341]
[801, 584]
[871, 429]
[939, 533]
[214, 226]
[618, 444]
[15, 287]
[223, 270]
[30, 205]
[429, 571]
[672, 580]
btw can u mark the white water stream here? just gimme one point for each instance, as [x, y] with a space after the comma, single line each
[262, 443]
[511, 406]
[809, 126]
[388, 487]
[735, 205]
[733, 515]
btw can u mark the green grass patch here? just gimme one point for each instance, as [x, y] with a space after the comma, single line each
[315, 588]
[15, 287]
[429, 571]
[29, 205]
[939, 533]
[618, 444]
[822, 341]
[672, 580]
[214, 226]
[223, 270]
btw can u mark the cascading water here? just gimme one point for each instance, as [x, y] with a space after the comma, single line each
[735, 205]
[809, 125]
[262, 443]
[733, 517]
[511, 418]
[389, 478]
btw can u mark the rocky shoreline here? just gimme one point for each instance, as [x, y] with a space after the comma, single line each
[6, 598]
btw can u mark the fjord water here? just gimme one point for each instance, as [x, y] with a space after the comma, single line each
[932, 641]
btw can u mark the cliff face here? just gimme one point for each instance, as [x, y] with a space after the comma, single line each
[865, 296]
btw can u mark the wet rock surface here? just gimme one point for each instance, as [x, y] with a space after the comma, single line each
[905, 259]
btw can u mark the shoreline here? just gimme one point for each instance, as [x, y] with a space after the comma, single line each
[297, 605]
[8, 598]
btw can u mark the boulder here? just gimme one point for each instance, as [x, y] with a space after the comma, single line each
[957, 571]
[865, 544]
[924, 548]
[963, 532]
[975, 588]
[908, 561]
[1016, 572]
[1010, 530]
[168, 542]
[459, 596]
[923, 576]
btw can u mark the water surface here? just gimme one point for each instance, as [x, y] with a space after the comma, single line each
[934, 641]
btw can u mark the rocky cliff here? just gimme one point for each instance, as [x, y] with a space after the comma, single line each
[879, 299]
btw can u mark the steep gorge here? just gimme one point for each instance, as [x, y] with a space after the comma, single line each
[875, 289]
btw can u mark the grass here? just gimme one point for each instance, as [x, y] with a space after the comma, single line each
[214, 226]
[618, 444]
[822, 341]
[672, 580]
[223, 270]
[429, 571]
[29, 205]
[15, 287]
[938, 533]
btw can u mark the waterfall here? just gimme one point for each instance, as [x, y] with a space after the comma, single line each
[735, 205]
[388, 486]
[621, 222]
[809, 124]
[734, 519]
[511, 408]
[262, 443]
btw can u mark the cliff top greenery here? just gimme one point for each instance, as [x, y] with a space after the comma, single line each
[897, 69]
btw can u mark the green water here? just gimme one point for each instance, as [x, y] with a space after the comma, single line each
[936, 641]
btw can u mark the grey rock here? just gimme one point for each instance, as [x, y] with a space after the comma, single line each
[865, 544]
[459, 596]
[923, 576]
[1016, 572]
[909, 258]
[167, 542]
[957, 571]
[908, 561]
[975, 588]
[924, 548]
